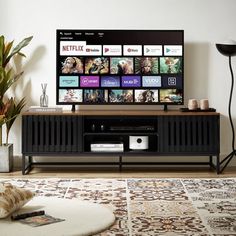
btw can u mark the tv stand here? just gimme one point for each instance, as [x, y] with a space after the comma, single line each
[169, 133]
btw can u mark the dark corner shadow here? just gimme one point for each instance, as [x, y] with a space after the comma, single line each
[196, 70]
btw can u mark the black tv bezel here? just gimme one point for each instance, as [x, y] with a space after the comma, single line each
[120, 88]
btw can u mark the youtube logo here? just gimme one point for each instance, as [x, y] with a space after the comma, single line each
[93, 50]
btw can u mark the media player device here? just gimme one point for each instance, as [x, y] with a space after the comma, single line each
[138, 142]
[107, 147]
[133, 128]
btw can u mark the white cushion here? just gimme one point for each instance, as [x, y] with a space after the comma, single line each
[81, 218]
[12, 198]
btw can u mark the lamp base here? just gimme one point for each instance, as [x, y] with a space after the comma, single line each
[227, 159]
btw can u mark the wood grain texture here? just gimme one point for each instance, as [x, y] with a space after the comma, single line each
[124, 113]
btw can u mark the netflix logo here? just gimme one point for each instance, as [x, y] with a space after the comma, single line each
[72, 48]
[79, 48]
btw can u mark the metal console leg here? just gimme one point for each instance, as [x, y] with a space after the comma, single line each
[227, 160]
[120, 163]
[26, 168]
[23, 165]
[210, 162]
[218, 164]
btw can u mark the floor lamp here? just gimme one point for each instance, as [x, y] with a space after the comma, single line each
[229, 50]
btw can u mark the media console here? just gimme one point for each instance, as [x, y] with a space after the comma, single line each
[159, 133]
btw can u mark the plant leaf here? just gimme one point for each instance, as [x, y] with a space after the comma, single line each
[14, 109]
[21, 54]
[9, 109]
[7, 50]
[2, 120]
[1, 50]
[6, 81]
[17, 49]
[16, 77]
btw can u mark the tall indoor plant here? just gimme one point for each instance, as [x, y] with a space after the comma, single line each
[9, 107]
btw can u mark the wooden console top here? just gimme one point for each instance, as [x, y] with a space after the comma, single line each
[123, 113]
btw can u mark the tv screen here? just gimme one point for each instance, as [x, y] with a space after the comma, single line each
[120, 67]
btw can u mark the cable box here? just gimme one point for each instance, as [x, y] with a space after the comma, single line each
[107, 147]
[132, 128]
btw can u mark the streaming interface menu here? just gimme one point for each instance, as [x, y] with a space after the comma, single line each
[119, 67]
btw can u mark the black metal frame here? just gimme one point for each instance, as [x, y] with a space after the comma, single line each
[28, 166]
[229, 157]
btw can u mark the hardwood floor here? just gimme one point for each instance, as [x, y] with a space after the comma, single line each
[99, 172]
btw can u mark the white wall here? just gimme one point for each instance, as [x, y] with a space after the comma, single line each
[205, 22]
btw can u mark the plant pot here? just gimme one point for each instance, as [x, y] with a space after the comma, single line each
[6, 158]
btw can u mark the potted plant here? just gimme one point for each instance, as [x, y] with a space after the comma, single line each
[9, 107]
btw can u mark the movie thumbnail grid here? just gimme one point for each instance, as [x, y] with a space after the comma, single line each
[121, 65]
[120, 96]
[120, 80]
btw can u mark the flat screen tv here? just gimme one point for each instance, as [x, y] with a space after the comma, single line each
[120, 67]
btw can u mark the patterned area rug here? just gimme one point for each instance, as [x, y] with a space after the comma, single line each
[197, 207]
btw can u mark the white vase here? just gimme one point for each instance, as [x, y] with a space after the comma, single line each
[6, 158]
